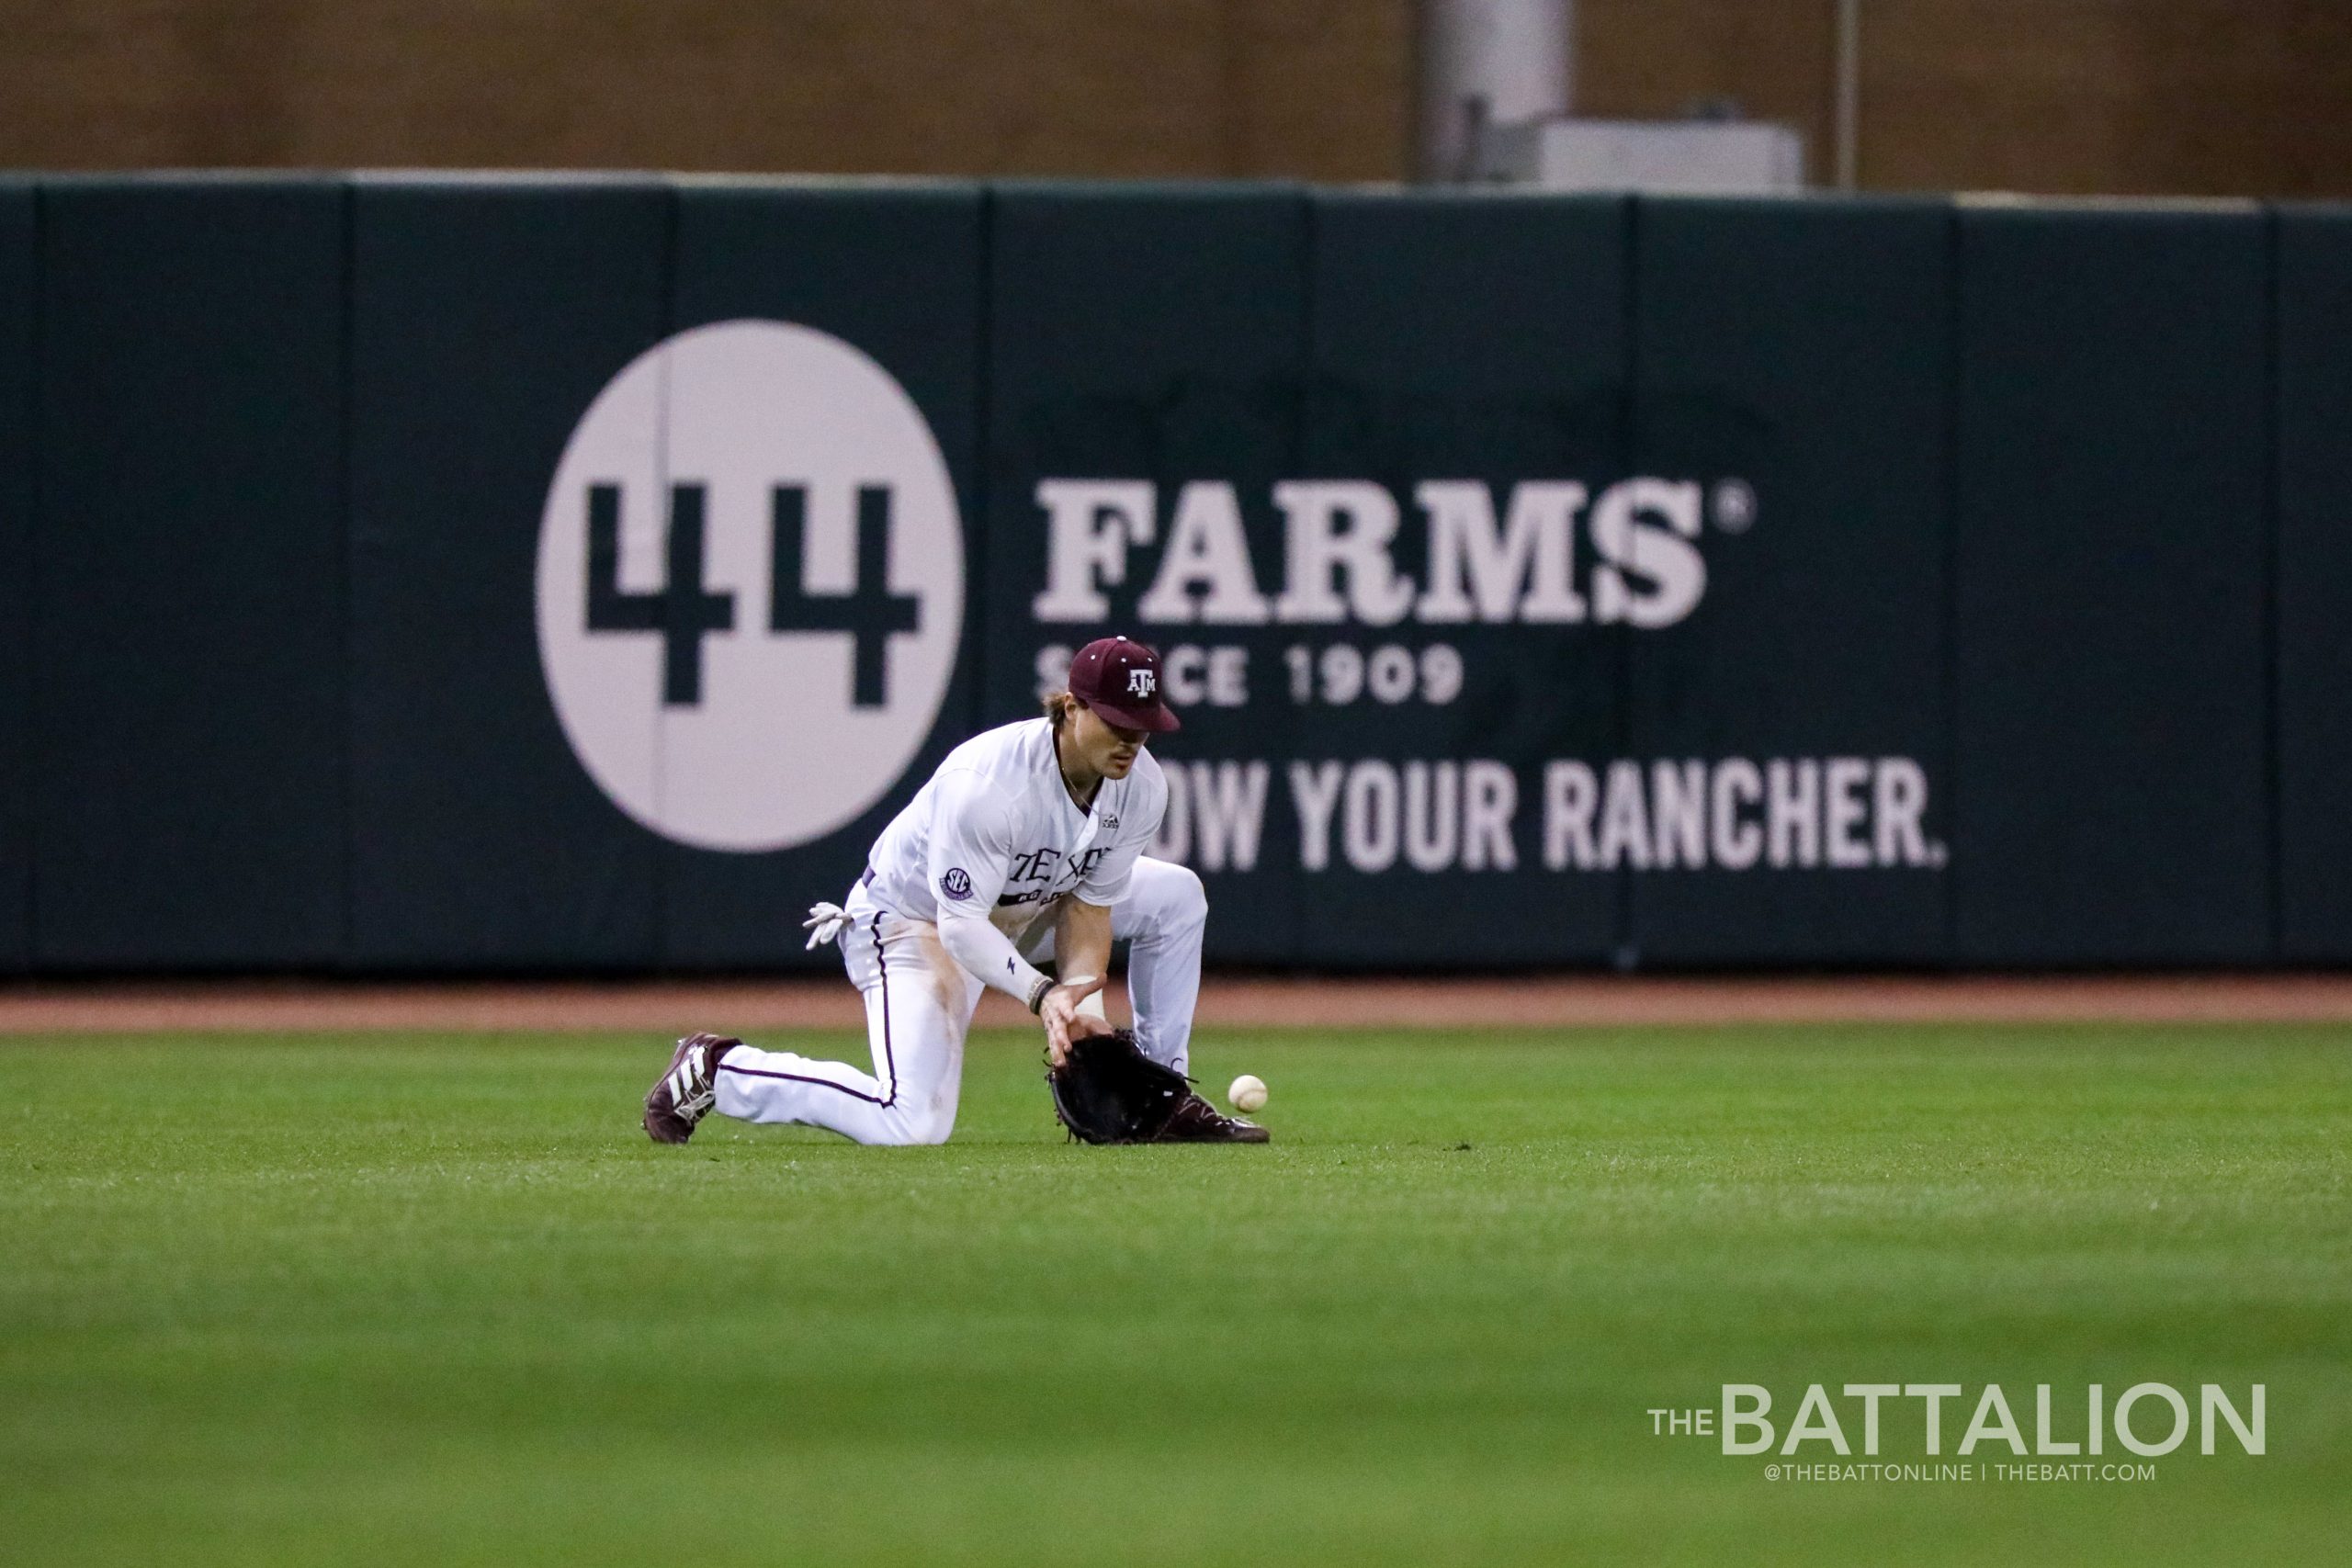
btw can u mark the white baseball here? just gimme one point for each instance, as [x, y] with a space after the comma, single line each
[1248, 1092]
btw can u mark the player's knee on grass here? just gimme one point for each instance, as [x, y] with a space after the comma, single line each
[931, 1124]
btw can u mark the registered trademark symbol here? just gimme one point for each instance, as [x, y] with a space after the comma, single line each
[1733, 505]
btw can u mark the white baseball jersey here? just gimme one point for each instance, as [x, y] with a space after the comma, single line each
[995, 833]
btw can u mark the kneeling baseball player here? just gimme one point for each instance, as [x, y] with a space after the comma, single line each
[1025, 847]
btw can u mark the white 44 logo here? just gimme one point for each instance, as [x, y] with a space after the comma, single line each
[751, 586]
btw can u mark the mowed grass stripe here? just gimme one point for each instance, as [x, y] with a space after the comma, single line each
[435, 1299]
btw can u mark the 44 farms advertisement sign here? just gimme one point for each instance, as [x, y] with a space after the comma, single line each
[1517, 615]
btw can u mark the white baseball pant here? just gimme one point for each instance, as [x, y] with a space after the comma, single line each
[919, 1004]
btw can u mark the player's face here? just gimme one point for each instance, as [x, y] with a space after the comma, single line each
[1105, 747]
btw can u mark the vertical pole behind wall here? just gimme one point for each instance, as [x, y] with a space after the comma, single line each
[1849, 92]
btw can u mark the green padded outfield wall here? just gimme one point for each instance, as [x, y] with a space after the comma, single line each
[1793, 360]
[16, 571]
[571, 575]
[485, 318]
[189, 617]
[2110, 596]
[1469, 356]
[2315, 671]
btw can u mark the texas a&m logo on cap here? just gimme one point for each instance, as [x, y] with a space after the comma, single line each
[1119, 679]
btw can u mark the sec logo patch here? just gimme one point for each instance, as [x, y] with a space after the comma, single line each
[956, 884]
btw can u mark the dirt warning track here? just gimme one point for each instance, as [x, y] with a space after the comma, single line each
[752, 1006]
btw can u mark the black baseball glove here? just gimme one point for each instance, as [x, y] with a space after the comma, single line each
[1107, 1091]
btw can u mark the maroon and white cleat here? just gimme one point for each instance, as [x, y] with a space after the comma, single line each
[1195, 1121]
[684, 1094]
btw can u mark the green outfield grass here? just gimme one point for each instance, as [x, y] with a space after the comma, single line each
[436, 1301]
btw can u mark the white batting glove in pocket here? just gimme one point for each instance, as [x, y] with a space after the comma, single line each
[825, 923]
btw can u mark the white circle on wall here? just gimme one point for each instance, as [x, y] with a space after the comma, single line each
[751, 586]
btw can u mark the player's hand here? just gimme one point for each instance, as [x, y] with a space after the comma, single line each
[1063, 1021]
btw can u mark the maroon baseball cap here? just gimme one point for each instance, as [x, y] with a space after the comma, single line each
[1120, 680]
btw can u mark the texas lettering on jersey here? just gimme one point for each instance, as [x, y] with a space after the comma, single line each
[1054, 872]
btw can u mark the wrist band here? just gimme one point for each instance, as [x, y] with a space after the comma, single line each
[1037, 992]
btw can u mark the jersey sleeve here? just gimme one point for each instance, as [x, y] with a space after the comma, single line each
[971, 844]
[971, 854]
[1107, 883]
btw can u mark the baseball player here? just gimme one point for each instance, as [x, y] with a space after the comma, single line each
[1025, 847]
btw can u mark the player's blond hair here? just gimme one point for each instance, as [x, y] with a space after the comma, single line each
[1059, 706]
